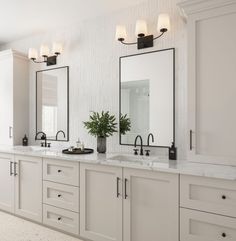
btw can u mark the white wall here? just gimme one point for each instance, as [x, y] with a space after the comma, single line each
[93, 56]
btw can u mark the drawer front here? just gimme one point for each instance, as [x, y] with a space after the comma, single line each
[60, 195]
[64, 172]
[201, 226]
[208, 194]
[61, 219]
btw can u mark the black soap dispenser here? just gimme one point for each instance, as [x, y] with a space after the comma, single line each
[25, 141]
[172, 152]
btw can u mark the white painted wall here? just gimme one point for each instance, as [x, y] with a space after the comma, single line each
[93, 56]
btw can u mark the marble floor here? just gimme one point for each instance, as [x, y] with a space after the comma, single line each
[16, 229]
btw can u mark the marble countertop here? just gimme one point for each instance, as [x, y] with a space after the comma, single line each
[152, 163]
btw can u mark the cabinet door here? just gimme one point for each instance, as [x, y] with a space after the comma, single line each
[6, 100]
[6, 183]
[151, 206]
[100, 202]
[28, 187]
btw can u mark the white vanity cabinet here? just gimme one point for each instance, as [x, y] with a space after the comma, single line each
[150, 206]
[207, 209]
[149, 201]
[21, 186]
[6, 182]
[211, 80]
[28, 187]
[100, 202]
[14, 97]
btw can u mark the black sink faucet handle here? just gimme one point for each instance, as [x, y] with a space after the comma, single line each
[147, 152]
[135, 152]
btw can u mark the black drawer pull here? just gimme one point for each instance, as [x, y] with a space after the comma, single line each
[223, 197]
[59, 218]
[59, 171]
[59, 195]
[223, 235]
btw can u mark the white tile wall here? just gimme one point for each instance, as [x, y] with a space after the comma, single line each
[93, 56]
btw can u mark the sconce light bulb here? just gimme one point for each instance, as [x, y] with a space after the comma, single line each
[57, 48]
[121, 33]
[44, 51]
[141, 28]
[163, 24]
[32, 54]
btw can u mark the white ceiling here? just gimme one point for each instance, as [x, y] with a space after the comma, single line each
[21, 18]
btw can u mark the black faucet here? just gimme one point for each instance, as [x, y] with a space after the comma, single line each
[43, 137]
[61, 131]
[135, 144]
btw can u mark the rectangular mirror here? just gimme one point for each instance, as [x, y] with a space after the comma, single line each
[147, 83]
[52, 103]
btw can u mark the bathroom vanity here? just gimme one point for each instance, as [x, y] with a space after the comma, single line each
[119, 197]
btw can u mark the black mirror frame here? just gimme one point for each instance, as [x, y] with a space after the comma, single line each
[68, 118]
[169, 49]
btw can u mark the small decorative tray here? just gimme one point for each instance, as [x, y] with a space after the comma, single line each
[77, 151]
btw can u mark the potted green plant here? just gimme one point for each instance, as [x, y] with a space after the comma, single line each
[101, 126]
[125, 124]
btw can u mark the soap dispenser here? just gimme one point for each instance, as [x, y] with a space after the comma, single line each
[172, 152]
[25, 141]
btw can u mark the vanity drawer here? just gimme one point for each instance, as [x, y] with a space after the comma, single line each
[60, 195]
[61, 219]
[201, 226]
[64, 172]
[208, 194]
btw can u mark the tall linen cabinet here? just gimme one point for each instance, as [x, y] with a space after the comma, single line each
[14, 97]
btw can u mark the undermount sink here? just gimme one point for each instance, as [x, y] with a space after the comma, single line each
[131, 158]
[30, 148]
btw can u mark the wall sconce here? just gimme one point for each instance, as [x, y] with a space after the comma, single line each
[144, 40]
[45, 54]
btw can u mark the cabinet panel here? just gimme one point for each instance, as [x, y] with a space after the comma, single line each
[28, 187]
[6, 183]
[208, 194]
[61, 171]
[61, 219]
[150, 206]
[60, 195]
[100, 206]
[200, 226]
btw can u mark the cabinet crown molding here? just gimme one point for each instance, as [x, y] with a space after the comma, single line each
[189, 7]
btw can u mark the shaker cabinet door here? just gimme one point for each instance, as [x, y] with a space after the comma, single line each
[150, 206]
[28, 187]
[100, 202]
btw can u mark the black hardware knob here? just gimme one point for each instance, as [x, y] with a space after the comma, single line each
[135, 151]
[223, 197]
[59, 195]
[223, 235]
[147, 152]
[59, 218]
[58, 171]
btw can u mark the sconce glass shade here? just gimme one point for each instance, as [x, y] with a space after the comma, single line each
[57, 48]
[44, 51]
[33, 54]
[121, 33]
[163, 24]
[141, 28]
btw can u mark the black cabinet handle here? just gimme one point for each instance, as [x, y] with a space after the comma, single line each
[59, 218]
[223, 197]
[223, 235]
[191, 141]
[15, 173]
[59, 195]
[11, 172]
[117, 187]
[126, 181]
[59, 171]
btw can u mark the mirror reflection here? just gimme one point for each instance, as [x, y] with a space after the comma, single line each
[52, 103]
[147, 97]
